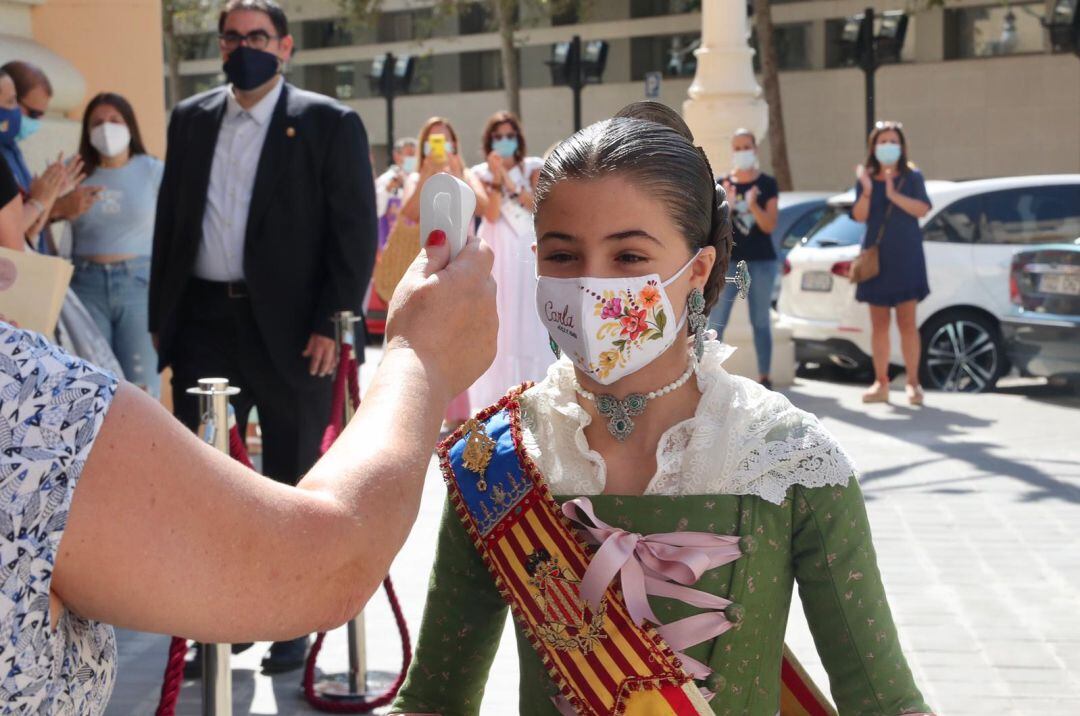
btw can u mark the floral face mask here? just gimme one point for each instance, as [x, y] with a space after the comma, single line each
[609, 327]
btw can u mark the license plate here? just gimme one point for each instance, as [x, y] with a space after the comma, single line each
[817, 281]
[1065, 284]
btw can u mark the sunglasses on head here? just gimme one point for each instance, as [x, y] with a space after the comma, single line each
[888, 125]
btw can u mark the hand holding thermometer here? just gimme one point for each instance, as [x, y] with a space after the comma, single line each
[446, 204]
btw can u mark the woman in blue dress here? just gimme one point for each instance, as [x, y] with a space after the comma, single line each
[890, 197]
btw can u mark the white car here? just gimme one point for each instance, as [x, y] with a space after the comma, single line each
[970, 236]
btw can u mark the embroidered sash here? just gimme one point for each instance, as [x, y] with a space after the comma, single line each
[603, 661]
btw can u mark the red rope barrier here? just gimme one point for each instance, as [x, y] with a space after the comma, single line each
[346, 381]
[174, 677]
[348, 376]
[174, 666]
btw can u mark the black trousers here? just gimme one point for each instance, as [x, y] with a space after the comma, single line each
[217, 338]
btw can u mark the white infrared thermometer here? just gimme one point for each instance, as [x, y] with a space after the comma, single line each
[447, 204]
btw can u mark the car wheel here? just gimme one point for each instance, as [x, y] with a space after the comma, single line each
[962, 351]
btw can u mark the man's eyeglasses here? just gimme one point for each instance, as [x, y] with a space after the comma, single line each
[32, 113]
[256, 40]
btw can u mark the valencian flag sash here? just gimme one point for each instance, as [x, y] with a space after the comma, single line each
[603, 662]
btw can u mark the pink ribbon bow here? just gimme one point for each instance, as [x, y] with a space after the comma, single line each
[659, 565]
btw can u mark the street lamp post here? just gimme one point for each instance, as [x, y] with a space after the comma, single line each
[869, 41]
[576, 64]
[391, 76]
[1063, 26]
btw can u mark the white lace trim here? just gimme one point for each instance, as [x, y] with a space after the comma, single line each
[742, 440]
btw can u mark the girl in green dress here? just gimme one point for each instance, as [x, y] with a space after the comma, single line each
[639, 421]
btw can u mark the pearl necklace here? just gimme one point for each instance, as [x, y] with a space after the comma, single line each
[619, 412]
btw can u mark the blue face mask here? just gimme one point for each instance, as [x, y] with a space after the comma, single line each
[28, 127]
[887, 154]
[505, 147]
[10, 124]
[408, 164]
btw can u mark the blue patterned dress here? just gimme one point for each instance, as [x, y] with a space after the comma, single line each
[51, 409]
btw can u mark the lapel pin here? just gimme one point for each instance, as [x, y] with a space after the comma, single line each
[290, 132]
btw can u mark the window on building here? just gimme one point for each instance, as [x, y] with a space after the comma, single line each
[671, 54]
[481, 71]
[423, 81]
[194, 84]
[406, 25]
[474, 19]
[331, 32]
[792, 46]
[653, 8]
[203, 46]
[994, 30]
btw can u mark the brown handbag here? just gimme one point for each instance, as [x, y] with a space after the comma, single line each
[402, 247]
[867, 264]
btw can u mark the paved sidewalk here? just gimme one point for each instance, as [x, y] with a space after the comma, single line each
[975, 507]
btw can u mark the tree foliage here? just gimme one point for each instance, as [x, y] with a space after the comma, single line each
[180, 22]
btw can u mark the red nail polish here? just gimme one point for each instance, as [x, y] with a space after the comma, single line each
[436, 238]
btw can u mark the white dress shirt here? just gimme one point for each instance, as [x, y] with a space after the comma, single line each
[232, 179]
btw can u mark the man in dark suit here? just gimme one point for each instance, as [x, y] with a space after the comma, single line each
[266, 227]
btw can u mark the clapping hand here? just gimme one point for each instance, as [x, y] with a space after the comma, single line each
[890, 184]
[863, 176]
[729, 190]
[73, 172]
[46, 186]
[495, 165]
[752, 196]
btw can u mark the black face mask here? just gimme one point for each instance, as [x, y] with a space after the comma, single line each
[248, 68]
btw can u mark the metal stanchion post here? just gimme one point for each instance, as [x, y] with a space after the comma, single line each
[345, 335]
[214, 396]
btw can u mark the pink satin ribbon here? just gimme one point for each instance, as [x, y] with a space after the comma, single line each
[659, 565]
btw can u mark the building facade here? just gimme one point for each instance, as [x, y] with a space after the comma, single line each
[86, 47]
[978, 89]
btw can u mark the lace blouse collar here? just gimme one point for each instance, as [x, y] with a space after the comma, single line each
[742, 439]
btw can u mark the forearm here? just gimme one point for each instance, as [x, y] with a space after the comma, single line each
[911, 206]
[494, 206]
[527, 200]
[411, 208]
[764, 220]
[34, 214]
[861, 210]
[11, 236]
[375, 471]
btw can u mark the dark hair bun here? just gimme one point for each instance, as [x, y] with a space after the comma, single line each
[660, 114]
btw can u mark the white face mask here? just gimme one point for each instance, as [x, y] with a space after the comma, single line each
[744, 159]
[110, 138]
[609, 327]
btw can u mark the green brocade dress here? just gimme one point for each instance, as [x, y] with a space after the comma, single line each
[816, 536]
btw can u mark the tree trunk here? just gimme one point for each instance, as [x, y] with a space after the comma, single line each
[172, 51]
[770, 78]
[504, 15]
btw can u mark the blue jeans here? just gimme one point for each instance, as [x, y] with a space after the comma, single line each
[762, 278]
[116, 295]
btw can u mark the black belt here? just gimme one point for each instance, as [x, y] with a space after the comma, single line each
[220, 289]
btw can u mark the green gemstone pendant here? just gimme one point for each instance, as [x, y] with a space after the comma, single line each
[619, 412]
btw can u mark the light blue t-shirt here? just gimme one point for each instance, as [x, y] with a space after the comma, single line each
[122, 219]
